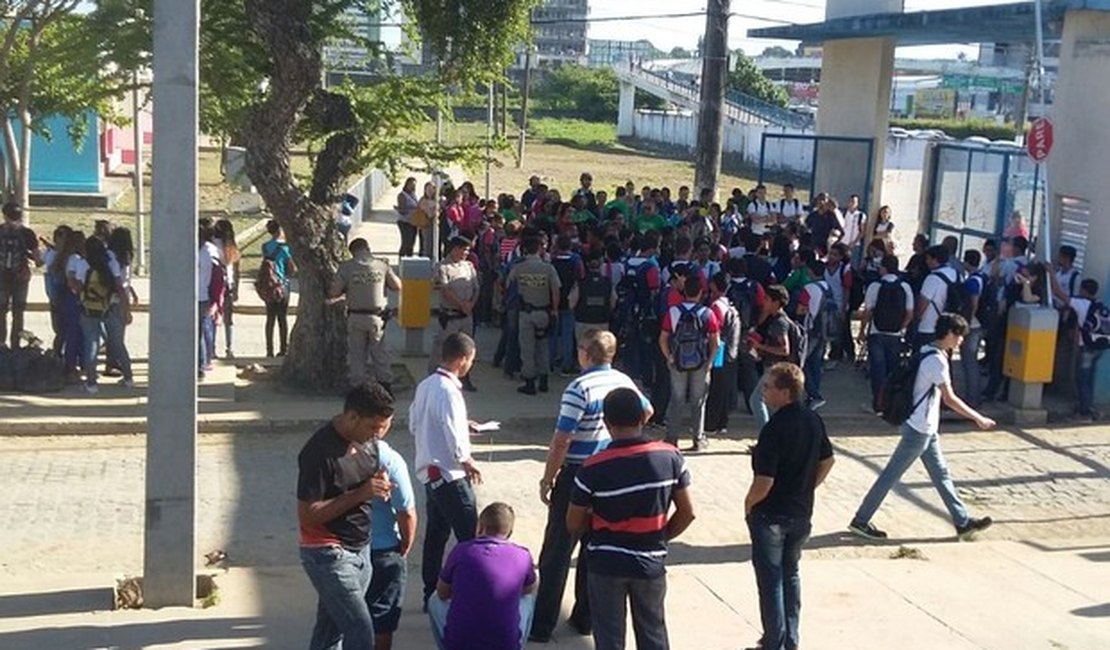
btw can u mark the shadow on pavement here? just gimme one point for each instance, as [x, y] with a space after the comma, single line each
[1094, 611]
[54, 603]
[232, 631]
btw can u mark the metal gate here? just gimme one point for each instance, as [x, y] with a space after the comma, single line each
[838, 165]
[975, 188]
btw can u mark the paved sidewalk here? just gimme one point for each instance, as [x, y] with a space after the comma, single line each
[73, 524]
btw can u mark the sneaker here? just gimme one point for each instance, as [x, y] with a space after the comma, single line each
[581, 628]
[112, 372]
[700, 444]
[127, 383]
[973, 526]
[89, 389]
[228, 354]
[815, 405]
[866, 530]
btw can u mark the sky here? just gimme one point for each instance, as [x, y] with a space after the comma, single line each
[667, 33]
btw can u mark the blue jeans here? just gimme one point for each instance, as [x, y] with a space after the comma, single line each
[563, 351]
[206, 343]
[776, 548]
[340, 577]
[969, 365]
[609, 600]
[386, 592]
[883, 351]
[1086, 366]
[814, 365]
[758, 406]
[111, 325]
[914, 445]
[451, 508]
[438, 608]
[554, 563]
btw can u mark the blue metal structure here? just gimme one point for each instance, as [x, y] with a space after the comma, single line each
[865, 189]
[58, 166]
[776, 115]
[974, 190]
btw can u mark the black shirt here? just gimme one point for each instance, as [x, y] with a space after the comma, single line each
[789, 447]
[331, 465]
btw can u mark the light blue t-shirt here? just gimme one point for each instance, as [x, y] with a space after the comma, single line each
[384, 533]
[280, 253]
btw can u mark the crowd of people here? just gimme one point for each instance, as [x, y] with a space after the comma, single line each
[670, 313]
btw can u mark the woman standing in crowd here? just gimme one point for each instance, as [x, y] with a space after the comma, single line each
[224, 239]
[70, 259]
[277, 251]
[121, 251]
[884, 228]
[407, 204]
[53, 261]
[105, 307]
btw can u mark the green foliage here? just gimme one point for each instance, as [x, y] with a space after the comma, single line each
[574, 132]
[679, 53]
[961, 129]
[593, 93]
[777, 51]
[748, 79]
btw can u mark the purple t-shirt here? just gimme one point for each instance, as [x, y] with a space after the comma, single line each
[487, 577]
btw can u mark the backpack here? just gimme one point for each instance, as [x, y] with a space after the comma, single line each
[96, 294]
[896, 397]
[593, 300]
[35, 371]
[567, 269]
[689, 343]
[13, 249]
[890, 307]
[827, 321]
[987, 312]
[731, 329]
[217, 285]
[267, 283]
[1096, 327]
[955, 297]
[744, 298]
[799, 341]
[643, 302]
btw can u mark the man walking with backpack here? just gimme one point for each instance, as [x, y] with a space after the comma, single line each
[18, 250]
[940, 292]
[688, 340]
[916, 403]
[820, 312]
[888, 310]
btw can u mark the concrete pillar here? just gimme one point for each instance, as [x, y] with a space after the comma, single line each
[169, 548]
[626, 111]
[856, 77]
[1078, 162]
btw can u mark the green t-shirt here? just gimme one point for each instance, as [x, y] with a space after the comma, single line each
[620, 205]
[797, 279]
[645, 224]
[509, 215]
[582, 216]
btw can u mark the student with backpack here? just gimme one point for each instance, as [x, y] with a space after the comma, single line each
[1094, 338]
[941, 292]
[820, 314]
[211, 286]
[273, 286]
[974, 288]
[104, 308]
[688, 340]
[593, 299]
[887, 313]
[722, 377]
[914, 399]
[776, 338]
[19, 250]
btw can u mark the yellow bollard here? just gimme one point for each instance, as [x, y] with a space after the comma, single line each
[416, 302]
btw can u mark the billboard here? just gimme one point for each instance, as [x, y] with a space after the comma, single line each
[934, 102]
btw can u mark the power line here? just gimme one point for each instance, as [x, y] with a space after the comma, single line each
[605, 19]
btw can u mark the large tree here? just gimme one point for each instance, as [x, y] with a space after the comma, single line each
[747, 78]
[261, 75]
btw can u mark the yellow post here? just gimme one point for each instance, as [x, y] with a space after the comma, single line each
[416, 302]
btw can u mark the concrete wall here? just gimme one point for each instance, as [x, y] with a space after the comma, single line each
[56, 166]
[1080, 158]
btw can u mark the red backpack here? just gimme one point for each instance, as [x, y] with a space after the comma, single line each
[268, 283]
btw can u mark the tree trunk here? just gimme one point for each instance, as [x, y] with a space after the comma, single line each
[317, 350]
[11, 147]
[23, 191]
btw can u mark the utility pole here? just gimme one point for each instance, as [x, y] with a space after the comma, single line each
[714, 70]
[524, 108]
[169, 540]
[489, 134]
[504, 132]
[1046, 207]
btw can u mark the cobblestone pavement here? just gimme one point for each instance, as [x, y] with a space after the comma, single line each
[75, 504]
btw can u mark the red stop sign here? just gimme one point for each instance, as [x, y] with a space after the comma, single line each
[1039, 141]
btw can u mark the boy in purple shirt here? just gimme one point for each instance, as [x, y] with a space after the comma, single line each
[485, 590]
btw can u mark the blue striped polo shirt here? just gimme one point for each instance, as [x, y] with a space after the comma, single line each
[580, 414]
[629, 488]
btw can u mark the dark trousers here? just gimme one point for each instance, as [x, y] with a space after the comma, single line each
[277, 312]
[558, 545]
[883, 352]
[508, 346]
[722, 386]
[747, 378]
[13, 295]
[71, 326]
[386, 592]
[996, 352]
[408, 238]
[609, 600]
[451, 508]
[660, 383]
[776, 549]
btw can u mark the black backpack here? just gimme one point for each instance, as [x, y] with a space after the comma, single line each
[567, 269]
[593, 300]
[731, 330]
[742, 295]
[987, 312]
[896, 397]
[1096, 327]
[890, 307]
[13, 249]
[955, 297]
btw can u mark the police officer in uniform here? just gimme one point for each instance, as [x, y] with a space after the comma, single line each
[538, 284]
[458, 285]
[363, 280]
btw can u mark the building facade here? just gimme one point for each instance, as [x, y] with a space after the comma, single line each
[559, 32]
[602, 53]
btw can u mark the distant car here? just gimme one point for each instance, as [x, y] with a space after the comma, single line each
[898, 132]
[978, 139]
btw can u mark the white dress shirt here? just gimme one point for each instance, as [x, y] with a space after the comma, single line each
[438, 421]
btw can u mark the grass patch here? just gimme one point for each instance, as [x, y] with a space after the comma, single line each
[575, 132]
